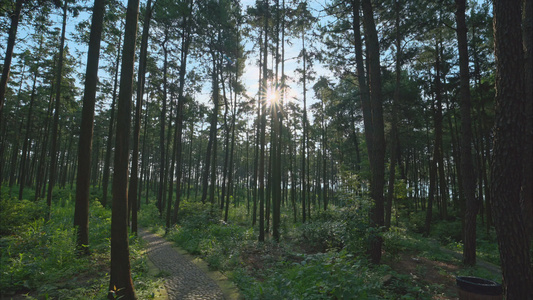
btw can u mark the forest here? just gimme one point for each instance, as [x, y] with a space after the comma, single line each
[304, 149]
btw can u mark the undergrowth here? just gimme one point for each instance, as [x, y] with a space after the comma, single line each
[324, 258]
[38, 256]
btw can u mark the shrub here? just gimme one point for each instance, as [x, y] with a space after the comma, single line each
[15, 213]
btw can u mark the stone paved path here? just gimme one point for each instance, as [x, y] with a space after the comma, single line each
[184, 280]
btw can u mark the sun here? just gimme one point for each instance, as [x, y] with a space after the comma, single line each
[273, 95]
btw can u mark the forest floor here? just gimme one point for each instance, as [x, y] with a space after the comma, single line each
[432, 271]
[437, 274]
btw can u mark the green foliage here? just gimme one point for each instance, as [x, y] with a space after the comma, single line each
[201, 233]
[332, 275]
[446, 231]
[15, 213]
[338, 228]
[148, 217]
[39, 257]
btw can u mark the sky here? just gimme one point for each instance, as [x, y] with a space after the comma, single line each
[295, 90]
[251, 73]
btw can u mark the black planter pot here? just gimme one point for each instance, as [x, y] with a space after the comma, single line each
[478, 288]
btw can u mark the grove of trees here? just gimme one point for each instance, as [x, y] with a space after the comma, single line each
[280, 106]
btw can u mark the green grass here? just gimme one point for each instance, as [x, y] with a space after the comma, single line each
[38, 257]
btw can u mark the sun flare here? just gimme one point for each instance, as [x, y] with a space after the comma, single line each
[272, 96]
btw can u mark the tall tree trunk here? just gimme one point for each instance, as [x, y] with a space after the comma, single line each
[304, 133]
[186, 40]
[214, 132]
[81, 210]
[55, 137]
[41, 169]
[230, 175]
[162, 159]
[134, 179]
[261, 168]
[145, 169]
[527, 187]
[507, 159]
[377, 143]
[212, 135]
[26, 142]
[469, 230]
[107, 160]
[120, 283]
[15, 18]
[394, 122]
[227, 133]
[277, 111]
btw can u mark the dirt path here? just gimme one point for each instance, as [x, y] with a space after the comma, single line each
[183, 278]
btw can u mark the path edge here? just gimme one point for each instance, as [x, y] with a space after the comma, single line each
[229, 289]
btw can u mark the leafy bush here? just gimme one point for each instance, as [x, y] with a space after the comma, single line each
[338, 228]
[324, 234]
[447, 231]
[15, 213]
[149, 216]
[219, 244]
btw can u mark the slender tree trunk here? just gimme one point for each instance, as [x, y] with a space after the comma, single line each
[186, 40]
[377, 143]
[81, 210]
[227, 134]
[261, 168]
[120, 283]
[230, 175]
[276, 168]
[469, 230]
[162, 160]
[304, 133]
[107, 160]
[214, 131]
[189, 178]
[55, 137]
[212, 138]
[507, 159]
[15, 18]
[394, 122]
[41, 170]
[145, 169]
[256, 165]
[133, 186]
[23, 171]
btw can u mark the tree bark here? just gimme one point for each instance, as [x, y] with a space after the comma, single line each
[467, 167]
[262, 125]
[107, 159]
[26, 142]
[507, 159]
[81, 210]
[186, 40]
[133, 197]
[394, 123]
[57, 106]
[304, 133]
[121, 284]
[15, 18]
[527, 187]
[377, 143]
